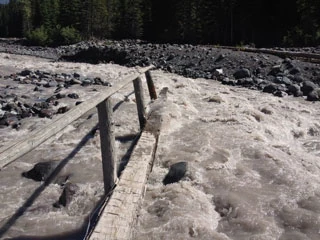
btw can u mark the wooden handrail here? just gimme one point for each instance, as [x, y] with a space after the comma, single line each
[9, 153]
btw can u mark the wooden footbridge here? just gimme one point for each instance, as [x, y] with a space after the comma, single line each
[123, 196]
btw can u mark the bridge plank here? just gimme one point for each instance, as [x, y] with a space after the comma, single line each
[119, 216]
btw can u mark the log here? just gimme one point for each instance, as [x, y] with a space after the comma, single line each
[107, 143]
[11, 152]
[138, 91]
[308, 57]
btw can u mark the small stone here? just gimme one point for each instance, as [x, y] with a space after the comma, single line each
[220, 58]
[76, 75]
[73, 95]
[63, 109]
[51, 84]
[75, 81]
[46, 113]
[25, 72]
[86, 82]
[270, 88]
[280, 93]
[60, 95]
[275, 70]
[227, 81]
[98, 81]
[294, 71]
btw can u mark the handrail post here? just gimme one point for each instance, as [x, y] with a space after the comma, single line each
[152, 90]
[138, 91]
[107, 142]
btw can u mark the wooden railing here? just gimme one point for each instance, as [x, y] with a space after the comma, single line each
[9, 153]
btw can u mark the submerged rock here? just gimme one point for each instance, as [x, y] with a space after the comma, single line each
[176, 172]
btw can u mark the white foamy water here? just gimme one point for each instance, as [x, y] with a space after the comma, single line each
[253, 163]
[75, 145]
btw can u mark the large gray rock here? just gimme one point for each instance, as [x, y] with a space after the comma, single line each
[308, 87]
[314, 95]
[41, 171]
[176, 172]
[270, 88]
[242, 73]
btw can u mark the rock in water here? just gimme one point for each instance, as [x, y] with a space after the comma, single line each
[69, 191]
[41, 171]
[176, 173]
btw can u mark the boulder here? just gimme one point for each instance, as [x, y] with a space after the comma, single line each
[41, 171]
[275, 70]
[270, 88]
[294, 89]
[176, 172]
[242, 73]
[314, 95]
[294, 70]
[308, 87]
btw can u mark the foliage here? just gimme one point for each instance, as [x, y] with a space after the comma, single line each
[225, 22]
[68, 35]
[39, 36]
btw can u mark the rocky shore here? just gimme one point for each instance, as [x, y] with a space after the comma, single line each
[258, 71]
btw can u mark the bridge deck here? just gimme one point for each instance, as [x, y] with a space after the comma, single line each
[119, 215]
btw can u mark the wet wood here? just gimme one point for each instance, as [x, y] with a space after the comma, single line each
[107, 142]
[119, 216]
[151, 88]
[13, 151]
[138, 91]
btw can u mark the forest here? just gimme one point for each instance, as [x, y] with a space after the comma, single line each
[262, 23]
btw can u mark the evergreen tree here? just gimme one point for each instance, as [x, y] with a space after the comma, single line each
[14, 24]
[128, 19]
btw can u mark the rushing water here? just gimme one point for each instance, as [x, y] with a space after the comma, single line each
[253, 164]
[26, 206]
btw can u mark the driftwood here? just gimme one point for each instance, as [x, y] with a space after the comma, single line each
[308, 57]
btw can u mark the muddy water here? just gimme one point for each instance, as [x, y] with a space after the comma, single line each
[253, 164]
[26, 206]
[253, 160]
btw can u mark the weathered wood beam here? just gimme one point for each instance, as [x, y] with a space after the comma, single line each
[152, 90]
[118, 218]
[107, 143]
[138, 91]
